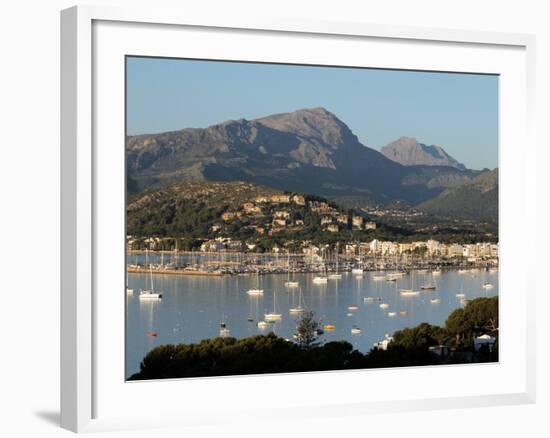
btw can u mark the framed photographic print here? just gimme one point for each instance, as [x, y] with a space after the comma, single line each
[252, 208]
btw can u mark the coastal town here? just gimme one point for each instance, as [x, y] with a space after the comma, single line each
[225, 256]
[234, 241]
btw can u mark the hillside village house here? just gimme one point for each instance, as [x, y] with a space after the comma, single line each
[370, 225]
[357, 221]
[299, 200]
[251, 208]
[282, 214]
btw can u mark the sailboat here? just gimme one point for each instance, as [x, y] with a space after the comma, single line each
[150, 294]
[273, 316]
[299, 308]
[288, 282]
[409, 292]
[256, 291]
[429, 286]
[129, 290]
[359, 270]
[461, 294]
[263, 325]
[336, 275]
[321, 279]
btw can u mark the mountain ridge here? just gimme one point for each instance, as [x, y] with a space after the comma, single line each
[308, 150]
[477, 199]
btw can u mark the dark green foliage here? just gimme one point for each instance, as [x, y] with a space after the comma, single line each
[419, 337]
[478, 316]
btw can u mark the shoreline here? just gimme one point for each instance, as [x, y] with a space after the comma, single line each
[198, 273]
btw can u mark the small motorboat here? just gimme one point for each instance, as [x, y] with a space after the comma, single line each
[152, 334]
[371, 299]
[392, 314]
[329, 327]
[149, 295]
[355, 331]
[353, 307]
[291, 284]
[255, 292]
[263, 324]
[273, 317]
[384, 306]
[435, 300]
[403, 313]
[296, 310]
[320, 280]
[487, 286]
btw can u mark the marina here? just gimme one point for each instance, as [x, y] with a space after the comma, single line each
[358, 309]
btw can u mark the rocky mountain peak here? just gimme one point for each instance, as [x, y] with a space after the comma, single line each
[312, 123]
[408, 151]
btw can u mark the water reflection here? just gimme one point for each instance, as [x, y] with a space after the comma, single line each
[192, 307]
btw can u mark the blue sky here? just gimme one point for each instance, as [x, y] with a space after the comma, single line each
[456, 111]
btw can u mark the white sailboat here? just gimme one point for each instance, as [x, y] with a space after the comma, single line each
[336, 275]
[129, 290]
[273, 316]
[290, 283]
[300, 307]
[409, 292]
[150, 294]
[321, 279]
[461, 294]
[429, 286]
[256, 291]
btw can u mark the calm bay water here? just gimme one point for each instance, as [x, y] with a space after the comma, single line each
[192, 308]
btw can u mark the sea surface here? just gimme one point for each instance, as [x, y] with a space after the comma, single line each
[192, 307]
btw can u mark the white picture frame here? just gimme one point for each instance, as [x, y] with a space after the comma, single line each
[88, 403]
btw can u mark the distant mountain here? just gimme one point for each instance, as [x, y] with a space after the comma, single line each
[476, 200]
[409, 152]
[310, 151]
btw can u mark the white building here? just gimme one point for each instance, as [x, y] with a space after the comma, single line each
[484, 340]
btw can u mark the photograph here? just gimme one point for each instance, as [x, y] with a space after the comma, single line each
[289, 218]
